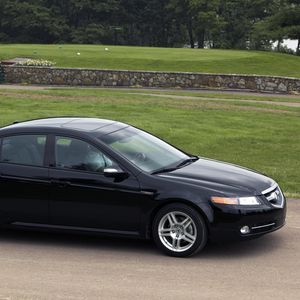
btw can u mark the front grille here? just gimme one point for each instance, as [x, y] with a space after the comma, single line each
[275, 196]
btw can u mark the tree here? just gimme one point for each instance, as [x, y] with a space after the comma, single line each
[29, 21]
[148, 22]
[91, 20]
[200, 18]
[247, 24]
[206, 19]
[184, 15]
[238, 20]
[284, 22]
[290, 21]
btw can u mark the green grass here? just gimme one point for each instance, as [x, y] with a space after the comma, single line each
[264, 137]
[159, 59]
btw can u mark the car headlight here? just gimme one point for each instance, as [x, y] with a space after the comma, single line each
[236, 201]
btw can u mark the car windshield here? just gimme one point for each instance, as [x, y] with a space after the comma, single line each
[143, 149]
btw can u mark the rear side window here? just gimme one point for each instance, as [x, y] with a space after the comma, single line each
[24, 149]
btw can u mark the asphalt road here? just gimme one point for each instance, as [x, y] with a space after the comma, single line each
[62, 266]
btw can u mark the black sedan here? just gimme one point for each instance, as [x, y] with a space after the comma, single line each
[101, 176]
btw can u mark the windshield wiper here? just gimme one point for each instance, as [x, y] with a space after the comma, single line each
[165, 170]
[187, 161]
[181, 164]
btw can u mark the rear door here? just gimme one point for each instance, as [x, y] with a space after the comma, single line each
[24, 181]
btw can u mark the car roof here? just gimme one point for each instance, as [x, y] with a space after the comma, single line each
[87, 125]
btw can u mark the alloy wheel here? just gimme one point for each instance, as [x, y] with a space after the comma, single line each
[177, 231]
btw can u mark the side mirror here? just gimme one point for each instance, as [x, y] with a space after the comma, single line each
[114, 173]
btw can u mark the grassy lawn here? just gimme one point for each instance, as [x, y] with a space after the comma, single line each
[263, 136]
[159, 59]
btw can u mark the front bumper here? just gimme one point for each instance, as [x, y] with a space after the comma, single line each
[228, 221]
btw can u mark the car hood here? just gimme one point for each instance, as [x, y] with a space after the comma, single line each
[222, 177]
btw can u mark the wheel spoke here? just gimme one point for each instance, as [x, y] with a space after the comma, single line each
[172, 219]
[165, 232]
[176, 243]
[186, 223]
[189, 238]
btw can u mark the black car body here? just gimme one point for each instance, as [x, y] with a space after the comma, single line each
[40, 190]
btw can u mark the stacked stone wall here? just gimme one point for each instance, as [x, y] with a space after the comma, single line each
[111, 78]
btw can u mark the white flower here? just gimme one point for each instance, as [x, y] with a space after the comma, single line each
[37, 63]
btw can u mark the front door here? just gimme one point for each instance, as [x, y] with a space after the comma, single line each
[83, 197]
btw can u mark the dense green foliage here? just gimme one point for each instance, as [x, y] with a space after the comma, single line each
[159, 59]
[243, 24]
[282, 22]
[263, 136]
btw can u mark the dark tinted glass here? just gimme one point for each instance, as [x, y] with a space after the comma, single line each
[24, 149]
[78, 155]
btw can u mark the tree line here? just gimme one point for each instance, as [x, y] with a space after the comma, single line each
[234, 24]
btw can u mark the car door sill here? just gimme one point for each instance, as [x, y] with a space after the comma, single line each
[74, 229]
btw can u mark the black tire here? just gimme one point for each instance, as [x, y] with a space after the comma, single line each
[200, 234]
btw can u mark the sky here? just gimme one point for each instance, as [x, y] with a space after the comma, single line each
[292, 44]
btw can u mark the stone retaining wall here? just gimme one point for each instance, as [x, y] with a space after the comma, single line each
[1, 74]
[109, 78]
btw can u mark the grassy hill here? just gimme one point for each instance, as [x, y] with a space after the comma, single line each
[159, 59]
[263, 135]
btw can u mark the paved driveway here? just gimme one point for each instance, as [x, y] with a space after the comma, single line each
[56, 266]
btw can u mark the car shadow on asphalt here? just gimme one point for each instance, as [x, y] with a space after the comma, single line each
[248, 248]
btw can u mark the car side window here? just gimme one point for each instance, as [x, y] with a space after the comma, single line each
[24, 149]
[76, 154]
